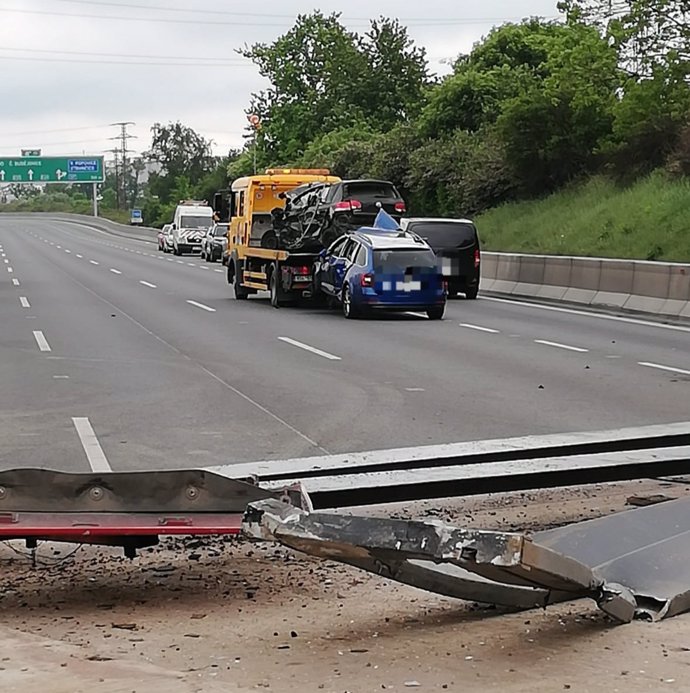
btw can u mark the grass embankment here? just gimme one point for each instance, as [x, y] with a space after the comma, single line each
[649, 220]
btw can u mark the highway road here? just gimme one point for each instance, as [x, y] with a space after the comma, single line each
[116, 356]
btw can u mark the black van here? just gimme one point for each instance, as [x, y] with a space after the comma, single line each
[456, 244]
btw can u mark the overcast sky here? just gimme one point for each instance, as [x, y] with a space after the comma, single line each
[69, 68]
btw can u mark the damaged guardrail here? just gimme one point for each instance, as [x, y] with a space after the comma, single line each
[632, 564]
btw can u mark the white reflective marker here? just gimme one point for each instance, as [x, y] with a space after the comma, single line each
[94, 452]
[41, 340]
[313, 350]
[660, 367]
[202, 306]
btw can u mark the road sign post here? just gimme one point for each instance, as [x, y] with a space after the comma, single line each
[95, 199]
[51, 169]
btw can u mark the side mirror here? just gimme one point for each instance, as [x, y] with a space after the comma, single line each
[173, 227]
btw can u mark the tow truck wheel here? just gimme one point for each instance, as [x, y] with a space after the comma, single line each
[235, 278]
[273, 288]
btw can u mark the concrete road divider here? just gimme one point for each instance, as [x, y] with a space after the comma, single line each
[661, 288]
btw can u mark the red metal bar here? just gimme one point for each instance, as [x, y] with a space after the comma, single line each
[73, 526]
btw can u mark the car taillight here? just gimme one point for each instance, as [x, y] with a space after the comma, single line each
[400, 207]
[348, 206]
[366, 280]
[477, 257]
[300, 270]
[445, 285]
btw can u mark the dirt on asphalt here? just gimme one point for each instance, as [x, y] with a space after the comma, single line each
[228, 615]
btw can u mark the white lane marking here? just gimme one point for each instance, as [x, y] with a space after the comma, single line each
[115, 271]
[93, 262]
[170, 259]
[92, 448]
[558, 345]
[201, 305]
[6, 262]
[61, 377]
[24, 301]
[15, 282]
[415, 389]
[41, 340]
[479, 328]
[191, 264]
[658, 366]
[306, 347]
[67, 251]
[217, 270]
[589, 314]
[202, 267]
[79, 256]
[59, 247]
[418, 315]
[10, 270]
[179, 262]
[151, 286]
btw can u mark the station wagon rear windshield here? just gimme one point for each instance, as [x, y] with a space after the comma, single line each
[444, 234]
[195, 222]
[370, 191]
[399, 261]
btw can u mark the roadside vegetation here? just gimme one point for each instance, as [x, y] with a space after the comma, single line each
[560, 137]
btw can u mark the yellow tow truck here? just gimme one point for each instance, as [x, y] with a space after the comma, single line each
[254, 260]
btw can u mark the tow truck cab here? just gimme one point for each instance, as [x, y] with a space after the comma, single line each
[253, 261]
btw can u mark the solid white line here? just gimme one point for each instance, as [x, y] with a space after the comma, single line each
[15, 282]
[41, 340]
[151, 286]
[479, 328]
[558, 345]
[93, 262]
[313, 350]
[663, 368]
[589, 314]
[114, 271]
[92, 448]
[79, 256]
[24, 301]
[201, 305]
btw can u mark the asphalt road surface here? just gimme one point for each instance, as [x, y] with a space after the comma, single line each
[116, 356]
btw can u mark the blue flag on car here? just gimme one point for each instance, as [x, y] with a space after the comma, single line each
[385, 221]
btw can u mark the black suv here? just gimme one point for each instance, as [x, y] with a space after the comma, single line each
[456, 244]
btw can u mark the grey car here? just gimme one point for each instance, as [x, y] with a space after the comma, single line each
[214, 243]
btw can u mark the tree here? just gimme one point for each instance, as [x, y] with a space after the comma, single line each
[649, 32]
[180, 152]
[325, 78]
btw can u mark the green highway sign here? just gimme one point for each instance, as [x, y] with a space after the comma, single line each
[51, 169]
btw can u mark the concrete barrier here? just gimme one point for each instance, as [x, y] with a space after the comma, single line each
[661, 288]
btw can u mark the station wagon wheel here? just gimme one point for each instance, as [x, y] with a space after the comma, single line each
[349, 309]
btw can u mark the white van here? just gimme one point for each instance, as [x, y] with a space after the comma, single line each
[190, 223]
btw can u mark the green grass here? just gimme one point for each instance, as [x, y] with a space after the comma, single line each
[649, 220]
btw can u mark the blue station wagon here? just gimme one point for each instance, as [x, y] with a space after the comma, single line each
[378, 269]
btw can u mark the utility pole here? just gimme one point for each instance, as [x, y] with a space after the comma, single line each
[122, 178]
[116, 153]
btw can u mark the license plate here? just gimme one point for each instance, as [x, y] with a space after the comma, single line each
[301, 278]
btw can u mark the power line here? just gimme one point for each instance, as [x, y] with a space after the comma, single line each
[229, 13]
[189, 22]
[41, 132]
[124, 55]
[119, 62]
